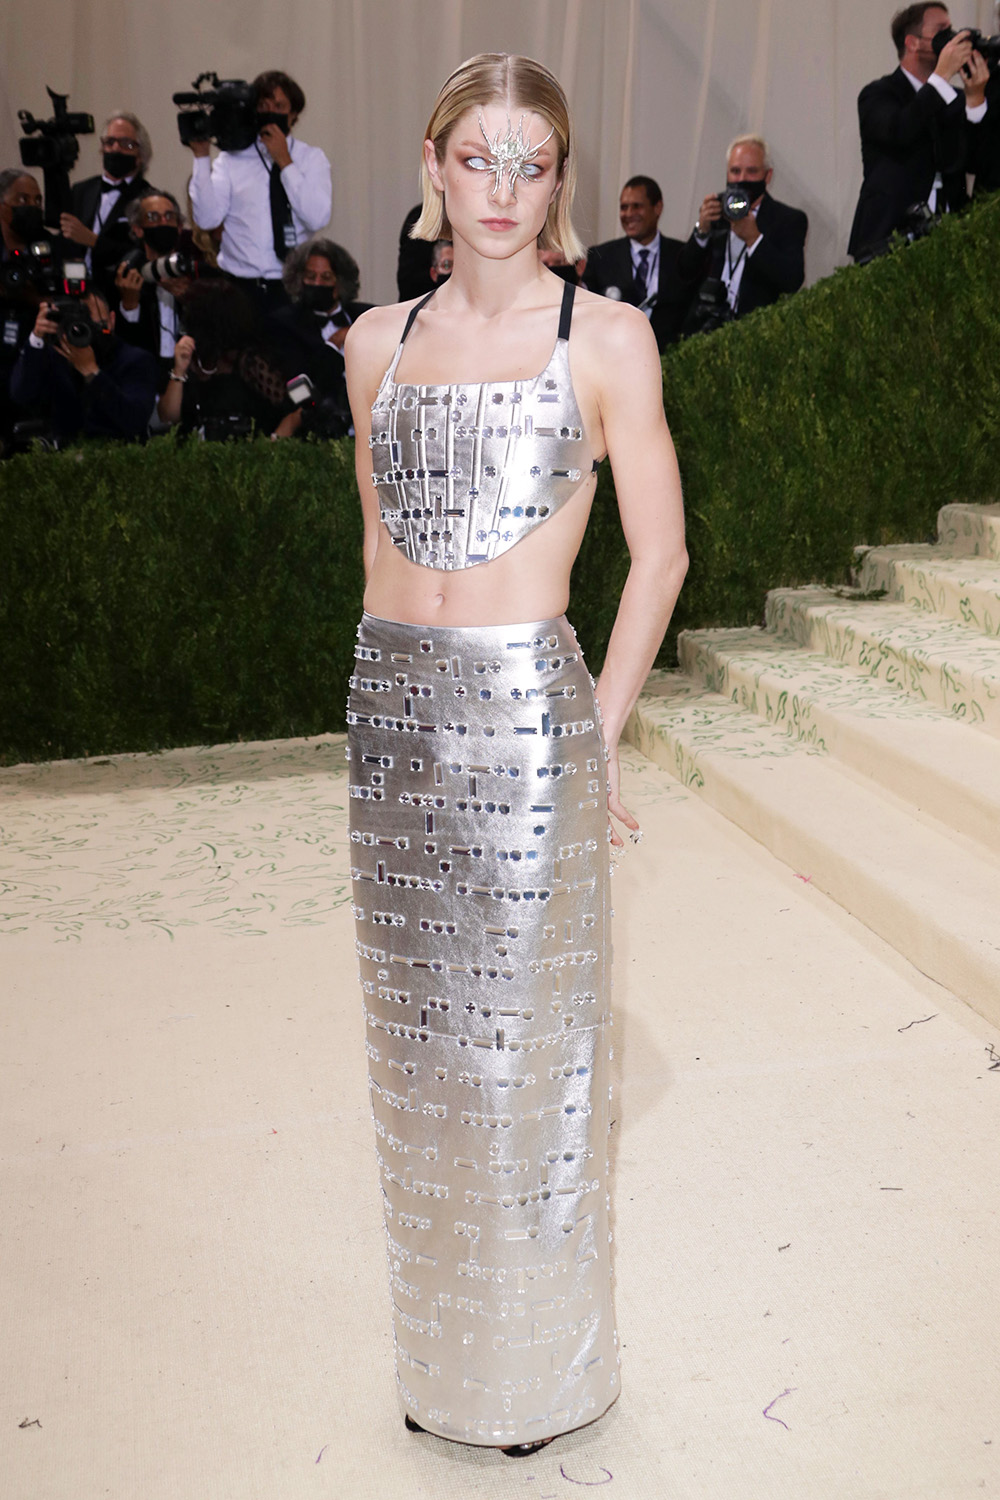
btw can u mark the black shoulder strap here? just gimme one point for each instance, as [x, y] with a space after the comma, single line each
[413, 313]
[566, 311]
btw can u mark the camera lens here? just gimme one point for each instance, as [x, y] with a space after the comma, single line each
[735, 203]
[78, 330]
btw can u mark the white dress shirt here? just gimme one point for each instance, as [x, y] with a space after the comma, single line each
[234, 191]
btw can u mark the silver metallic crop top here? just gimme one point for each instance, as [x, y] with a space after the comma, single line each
[463, 472]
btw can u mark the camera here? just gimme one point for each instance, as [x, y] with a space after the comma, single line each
[74, 320]
[69, 311]
[52, 145]
[31, 269]
[735, 202]
[135, 259]
[226, 113]
[988, 47]
[711, 309]
[325, 415]
[222, 429]
[31, 433]
[165, 267]
[57, 144]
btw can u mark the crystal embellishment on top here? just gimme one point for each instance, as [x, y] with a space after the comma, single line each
[510, 154]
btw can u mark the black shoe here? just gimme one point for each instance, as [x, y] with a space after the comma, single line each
[412, 1426]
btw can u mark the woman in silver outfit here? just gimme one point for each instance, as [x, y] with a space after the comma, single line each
[483, 768]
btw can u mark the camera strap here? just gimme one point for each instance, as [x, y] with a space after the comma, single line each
[731, 268]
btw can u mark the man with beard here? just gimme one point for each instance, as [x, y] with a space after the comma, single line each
[749, 262]
[103, 390]
[98, 217]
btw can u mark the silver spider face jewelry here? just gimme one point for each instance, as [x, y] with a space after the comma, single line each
[509, 154]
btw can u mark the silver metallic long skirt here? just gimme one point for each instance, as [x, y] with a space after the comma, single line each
[480, 866]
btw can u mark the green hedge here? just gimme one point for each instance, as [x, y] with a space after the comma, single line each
[845, 414]
[182, 593]
[175, 594]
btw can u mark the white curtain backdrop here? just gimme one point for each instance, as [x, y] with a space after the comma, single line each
[657, 86]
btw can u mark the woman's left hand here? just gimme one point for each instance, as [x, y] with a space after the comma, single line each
[615, 807]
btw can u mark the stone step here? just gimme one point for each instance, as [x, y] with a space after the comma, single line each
[930, 895]
[970, 530]
[915, 751]
[932, 580]
[935, 660]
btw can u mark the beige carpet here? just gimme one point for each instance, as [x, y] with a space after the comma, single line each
[192, 1280]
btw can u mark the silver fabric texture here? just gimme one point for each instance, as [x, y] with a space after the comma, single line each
[478, 826]
[463, 472]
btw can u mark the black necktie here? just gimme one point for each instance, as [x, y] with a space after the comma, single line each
[281, 213]
[642, 271]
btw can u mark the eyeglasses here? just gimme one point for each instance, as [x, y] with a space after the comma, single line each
[169, 217]
[112, 143]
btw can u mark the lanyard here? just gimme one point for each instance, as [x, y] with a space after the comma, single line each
[730, 268]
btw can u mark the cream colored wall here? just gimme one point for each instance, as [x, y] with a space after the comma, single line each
[657, 86]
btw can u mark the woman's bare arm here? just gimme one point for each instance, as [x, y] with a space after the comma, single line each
[368, 350]
[647, 483]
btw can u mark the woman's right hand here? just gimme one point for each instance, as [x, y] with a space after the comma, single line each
[183, 354]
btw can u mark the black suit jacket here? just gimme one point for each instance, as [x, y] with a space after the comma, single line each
[776, 266]
[985, 152]
[610, 265]
[908, 135]
[117, 403]
[114, 240]
[294, 338]
[145, 334]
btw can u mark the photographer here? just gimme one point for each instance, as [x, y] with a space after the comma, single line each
[77, 376]
[748, 255]
[223, 382]
[641, 267]
[919, 133]
[147, 312]
[321, 279]
[98, 220]
[268, 198]
[20, 225]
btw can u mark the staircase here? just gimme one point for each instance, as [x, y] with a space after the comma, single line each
[857, 736]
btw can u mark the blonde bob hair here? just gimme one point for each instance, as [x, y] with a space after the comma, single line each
[521, 84]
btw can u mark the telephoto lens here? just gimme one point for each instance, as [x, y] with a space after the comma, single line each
[177, 263]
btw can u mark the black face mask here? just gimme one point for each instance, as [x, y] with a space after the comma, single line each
[752, 187]
[161, 238]
[27, 223]
[319, 298]
[117, 164]
[268, 117]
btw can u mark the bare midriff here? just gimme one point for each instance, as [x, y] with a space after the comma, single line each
[529, 582]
